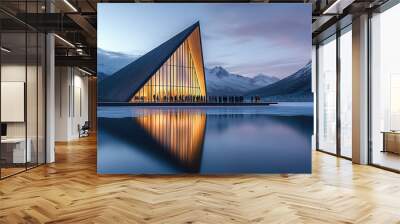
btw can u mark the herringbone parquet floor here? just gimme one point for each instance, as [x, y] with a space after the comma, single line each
[70, 191]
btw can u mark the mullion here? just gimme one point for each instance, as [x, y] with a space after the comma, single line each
[26, 86]
[37, 91]
[338, 73]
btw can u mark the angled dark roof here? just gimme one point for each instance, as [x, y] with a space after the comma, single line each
[123, 84]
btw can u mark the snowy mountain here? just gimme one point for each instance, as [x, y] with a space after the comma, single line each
[109, 62]
[296, 87]
[221, 82]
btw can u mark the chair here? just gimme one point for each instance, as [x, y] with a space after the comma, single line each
[84, 130]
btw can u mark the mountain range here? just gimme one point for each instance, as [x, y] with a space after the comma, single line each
[109, 62]
[220, 82]
[296, 87]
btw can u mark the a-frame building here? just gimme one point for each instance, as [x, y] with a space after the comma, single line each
[172, 72]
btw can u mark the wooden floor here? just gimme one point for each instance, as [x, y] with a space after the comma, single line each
[5, 172]
[387, 159]
[70, 191]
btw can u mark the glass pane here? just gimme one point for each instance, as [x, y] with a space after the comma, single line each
[174, 80]
[327, 96]
[31, 98]
[13, 87]
[346, 94]
[32, 88]
[385, 84]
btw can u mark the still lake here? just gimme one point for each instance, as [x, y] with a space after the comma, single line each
[206, 139]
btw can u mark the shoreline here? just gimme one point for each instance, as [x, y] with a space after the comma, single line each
[185, 104]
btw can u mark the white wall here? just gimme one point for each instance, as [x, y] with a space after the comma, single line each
[62, 82]
[80, 105]
[71, 102]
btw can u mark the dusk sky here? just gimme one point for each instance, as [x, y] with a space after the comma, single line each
[246, 39]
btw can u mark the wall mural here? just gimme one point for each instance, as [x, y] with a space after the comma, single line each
[204, 88]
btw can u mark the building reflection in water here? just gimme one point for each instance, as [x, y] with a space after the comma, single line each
[179, 132]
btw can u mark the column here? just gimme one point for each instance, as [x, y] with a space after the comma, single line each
[50, 98]
[360, 90]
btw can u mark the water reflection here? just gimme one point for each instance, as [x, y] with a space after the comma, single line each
[176, 136]
[166, 140]
[179, 133]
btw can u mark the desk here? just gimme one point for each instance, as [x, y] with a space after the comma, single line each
[391, 141]
[16, 147]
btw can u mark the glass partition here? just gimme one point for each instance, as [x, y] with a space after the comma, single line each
[13, 94]
[22, 88]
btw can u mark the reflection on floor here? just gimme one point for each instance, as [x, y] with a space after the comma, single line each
[70, 191]
[11, 169]
[387, 159]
